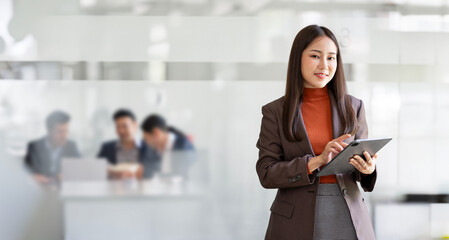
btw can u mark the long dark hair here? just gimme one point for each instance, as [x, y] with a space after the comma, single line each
[295, 85]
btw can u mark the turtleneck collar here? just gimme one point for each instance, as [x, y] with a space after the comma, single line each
[313, 94]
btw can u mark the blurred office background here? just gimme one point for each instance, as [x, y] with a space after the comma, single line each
[208, 67]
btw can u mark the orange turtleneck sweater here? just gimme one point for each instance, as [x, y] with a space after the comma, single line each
[316, 113]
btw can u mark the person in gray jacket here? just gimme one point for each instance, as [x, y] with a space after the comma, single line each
[43, 157]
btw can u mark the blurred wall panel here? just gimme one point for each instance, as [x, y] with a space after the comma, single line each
[200, 39]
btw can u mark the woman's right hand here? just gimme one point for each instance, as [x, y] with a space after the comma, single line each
[330, 151]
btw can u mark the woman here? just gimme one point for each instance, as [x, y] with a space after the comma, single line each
[301, 132]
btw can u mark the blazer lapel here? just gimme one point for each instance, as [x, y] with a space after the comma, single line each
[334, 113]
[304, 144]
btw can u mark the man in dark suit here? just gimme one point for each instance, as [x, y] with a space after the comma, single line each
[44, 155]
[127, 149]
[165, 140]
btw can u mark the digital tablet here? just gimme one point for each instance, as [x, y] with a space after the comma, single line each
[340, 163]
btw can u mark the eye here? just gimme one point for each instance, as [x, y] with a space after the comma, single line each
[331, 58]
[315, 56]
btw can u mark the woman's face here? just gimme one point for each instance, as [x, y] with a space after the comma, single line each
[319, 62]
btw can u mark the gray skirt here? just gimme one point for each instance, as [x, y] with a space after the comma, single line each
[332, 217]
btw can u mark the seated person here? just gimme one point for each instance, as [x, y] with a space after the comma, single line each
[44, 155]
[166, 139]
[127, 149]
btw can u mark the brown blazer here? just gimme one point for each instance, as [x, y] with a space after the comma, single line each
[283, 165]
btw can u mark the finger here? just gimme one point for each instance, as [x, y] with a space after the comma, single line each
[367, 156]
[356, 164]
[360, 160]
[360, 167]
[337, 146]
[343, 144]
[333, 150]
[372, 160]
[343, 137]
[334, 145]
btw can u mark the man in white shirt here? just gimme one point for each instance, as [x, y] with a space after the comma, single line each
[127, 149]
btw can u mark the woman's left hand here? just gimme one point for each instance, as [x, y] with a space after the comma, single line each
[365, 167]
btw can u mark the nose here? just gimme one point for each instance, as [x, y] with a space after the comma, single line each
[323, 64]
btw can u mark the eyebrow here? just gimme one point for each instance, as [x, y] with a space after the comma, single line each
[321, 52]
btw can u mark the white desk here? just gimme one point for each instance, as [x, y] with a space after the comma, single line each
[397, 221]
[114, 189]
[125, 210]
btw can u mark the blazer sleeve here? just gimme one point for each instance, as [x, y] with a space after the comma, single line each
[272, 169]
[29, 158]
[102, 152]
[366, 181]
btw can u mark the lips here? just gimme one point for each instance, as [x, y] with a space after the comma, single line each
[321, 75]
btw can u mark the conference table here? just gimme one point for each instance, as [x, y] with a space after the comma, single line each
[132, 209]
